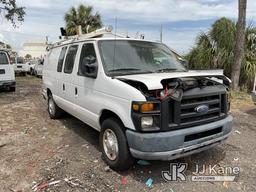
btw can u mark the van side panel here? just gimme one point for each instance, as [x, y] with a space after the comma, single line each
[52, 78]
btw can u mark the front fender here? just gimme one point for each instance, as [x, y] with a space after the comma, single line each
[119, 106]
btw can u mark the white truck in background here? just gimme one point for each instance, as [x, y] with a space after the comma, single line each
[20, 66]
[7, 76]
[38, 69]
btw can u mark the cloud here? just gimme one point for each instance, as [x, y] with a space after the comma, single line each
[149, 10]
[168, 10]
[182, 20]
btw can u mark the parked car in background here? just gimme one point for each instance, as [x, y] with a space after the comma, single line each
[20, 66]
[38, 69]
[32, 64]
[7, 76]
[138, 95]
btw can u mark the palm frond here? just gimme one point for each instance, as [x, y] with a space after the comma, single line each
[215, 49]
[82, 15]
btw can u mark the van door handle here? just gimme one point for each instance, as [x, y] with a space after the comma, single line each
[63, 87]
[75, 90]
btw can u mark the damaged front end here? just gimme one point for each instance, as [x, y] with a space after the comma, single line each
[181, 102]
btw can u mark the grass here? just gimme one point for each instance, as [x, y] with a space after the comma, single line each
[27, 80]
[240, 100]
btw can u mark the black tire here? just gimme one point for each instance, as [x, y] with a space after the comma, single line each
[123, 160]
[54, 111]
[12, 89]
[31, 72]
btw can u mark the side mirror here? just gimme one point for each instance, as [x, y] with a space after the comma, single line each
[88, 67]
[183, 62]
[90, 70]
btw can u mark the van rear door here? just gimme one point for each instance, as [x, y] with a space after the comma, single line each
[6, 69]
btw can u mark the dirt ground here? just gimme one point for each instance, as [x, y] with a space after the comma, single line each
[36, 150]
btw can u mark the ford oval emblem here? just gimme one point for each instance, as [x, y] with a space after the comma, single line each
[202, 109]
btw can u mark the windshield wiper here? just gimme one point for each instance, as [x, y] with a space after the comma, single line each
[125, 69]
[167, 69]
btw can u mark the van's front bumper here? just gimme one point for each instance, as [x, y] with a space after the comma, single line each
[172, 145]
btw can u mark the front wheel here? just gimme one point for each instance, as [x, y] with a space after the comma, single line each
[114, 147]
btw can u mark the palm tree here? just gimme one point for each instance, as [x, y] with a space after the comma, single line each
[82, 16]
[28, 56]
[240, 40]
[215, 50]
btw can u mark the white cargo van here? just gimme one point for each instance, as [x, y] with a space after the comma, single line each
[7, 76]
[38, 69]
[20, 66]
[138, 95]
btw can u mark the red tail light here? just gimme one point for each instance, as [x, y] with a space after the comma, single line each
[11, 61]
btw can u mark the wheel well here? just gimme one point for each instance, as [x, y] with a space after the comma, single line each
[108, 114]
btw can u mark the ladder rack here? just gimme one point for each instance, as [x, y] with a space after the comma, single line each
[96, 33]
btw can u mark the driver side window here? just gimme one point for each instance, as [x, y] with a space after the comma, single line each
[87, 58]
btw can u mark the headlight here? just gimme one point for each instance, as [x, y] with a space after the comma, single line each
[146, 115]
[147, 122]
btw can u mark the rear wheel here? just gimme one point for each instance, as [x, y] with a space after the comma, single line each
[54, 111]
[114, 147]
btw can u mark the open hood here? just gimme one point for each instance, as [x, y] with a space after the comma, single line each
[153, 80]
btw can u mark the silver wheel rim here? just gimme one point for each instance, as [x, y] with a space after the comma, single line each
[110, 144]
[51, 106]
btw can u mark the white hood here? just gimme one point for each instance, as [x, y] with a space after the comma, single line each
[153, 80]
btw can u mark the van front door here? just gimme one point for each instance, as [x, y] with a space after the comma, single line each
[85, 97]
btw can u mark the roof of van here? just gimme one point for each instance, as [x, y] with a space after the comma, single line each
[104, 33]
[105, 36]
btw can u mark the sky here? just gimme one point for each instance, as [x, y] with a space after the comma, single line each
[182, 20]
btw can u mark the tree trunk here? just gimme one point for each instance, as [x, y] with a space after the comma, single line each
[239, 46]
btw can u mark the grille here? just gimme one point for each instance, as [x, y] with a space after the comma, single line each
[183, 114]
[188, 113]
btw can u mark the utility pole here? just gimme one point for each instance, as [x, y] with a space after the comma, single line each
[161, 33]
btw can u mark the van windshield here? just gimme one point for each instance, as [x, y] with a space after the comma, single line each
[126, 57]
[20, 60]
